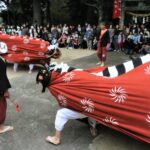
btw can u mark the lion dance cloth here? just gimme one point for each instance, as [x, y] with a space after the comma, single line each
[23, 49]
[117, 97]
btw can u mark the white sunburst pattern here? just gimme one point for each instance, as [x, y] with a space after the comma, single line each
[62, 100]
[26, 58]
[119, 95]
[26, 41]
[88, 105]
[147, 70]
[14, 48]
[9, 55]
[42, 45]
[68, 76]
[111, 120]
[40, 53]
[25, 53]
[148, 118]
[12, 37]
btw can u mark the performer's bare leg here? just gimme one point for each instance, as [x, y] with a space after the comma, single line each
[4, 128]
[99, 56]
[31, 66]
[62, 117]
[103, 57]
[102, 64]
[15, 67]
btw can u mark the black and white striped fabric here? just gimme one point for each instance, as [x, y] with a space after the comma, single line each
[111, 72]
[120, 69]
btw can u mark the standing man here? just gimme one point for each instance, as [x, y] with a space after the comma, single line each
[103, 44]
[4, 94]
[89, 37]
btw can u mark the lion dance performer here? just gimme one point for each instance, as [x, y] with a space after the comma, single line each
[21, 50]
[117, 96]
[4, 94]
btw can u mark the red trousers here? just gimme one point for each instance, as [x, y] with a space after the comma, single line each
[121, 45]
[3, 108]
[102, 53]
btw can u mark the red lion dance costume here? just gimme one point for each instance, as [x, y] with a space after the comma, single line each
[117, 96]
[26, 50]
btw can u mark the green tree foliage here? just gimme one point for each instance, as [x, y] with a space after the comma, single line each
[101, 7]
[16, 7]
[58, 11]
[77, 10]
[19, 11]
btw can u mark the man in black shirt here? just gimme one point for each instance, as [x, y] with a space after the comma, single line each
[4, 94]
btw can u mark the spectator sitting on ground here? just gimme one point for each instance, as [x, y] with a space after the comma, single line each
[129, 46]
[45, 34]
[76, 43]
[145, 49]
[70, 42]
[63, 40]
[136, 41]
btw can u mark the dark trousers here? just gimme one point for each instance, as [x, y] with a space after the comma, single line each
[3, 108]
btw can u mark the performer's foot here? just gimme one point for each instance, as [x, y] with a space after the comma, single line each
[94, 131]
[53, 140]
[102, 64]
[30, 72]
[4, 129]
[99, 63]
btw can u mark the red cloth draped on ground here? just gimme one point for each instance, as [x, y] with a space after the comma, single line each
[116, 9]
[121, 103]
[3, 107]
[24, 49]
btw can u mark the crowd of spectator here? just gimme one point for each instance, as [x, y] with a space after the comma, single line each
[64, 36]
[130, 39]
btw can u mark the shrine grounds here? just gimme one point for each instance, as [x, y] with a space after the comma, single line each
[36, 119]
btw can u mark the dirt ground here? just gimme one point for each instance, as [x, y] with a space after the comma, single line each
[36, 119]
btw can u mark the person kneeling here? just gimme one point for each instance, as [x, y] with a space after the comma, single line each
[64, 114]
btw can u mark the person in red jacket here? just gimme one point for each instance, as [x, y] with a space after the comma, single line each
[103, 44]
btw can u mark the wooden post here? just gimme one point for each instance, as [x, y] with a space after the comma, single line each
[122, 14]
[37, 11]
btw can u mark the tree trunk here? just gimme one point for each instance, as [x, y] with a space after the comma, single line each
[36, 12]
[48, 11]
[122, 15]
[100, 14]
